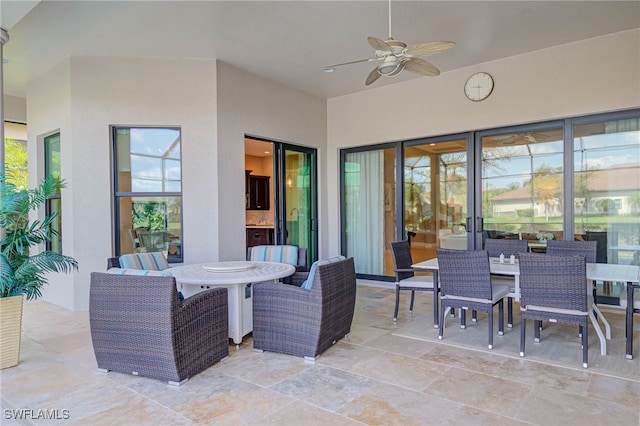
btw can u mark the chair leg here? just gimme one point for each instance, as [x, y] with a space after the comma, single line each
[463, 318]
[436, 314]
[500, 318]
[413, 295]
[441, 325]
[395, 313]
[510, 312]
[523, 332]
[474, 316]
[585, 347]
[490, 328]
[537, 327]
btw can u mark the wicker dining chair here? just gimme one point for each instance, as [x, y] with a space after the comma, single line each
[552, 288]
[407, 280]
[140, 326]
[496, 247]
[465, 283]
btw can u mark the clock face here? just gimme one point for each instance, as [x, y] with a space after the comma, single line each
[479, 86]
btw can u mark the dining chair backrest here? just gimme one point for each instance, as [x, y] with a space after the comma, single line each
[464, 273]
[496, 247]
[402, 259]
[587, 249]
[553, 282]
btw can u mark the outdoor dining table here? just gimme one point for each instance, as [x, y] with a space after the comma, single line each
[238, 277]
[630, 274]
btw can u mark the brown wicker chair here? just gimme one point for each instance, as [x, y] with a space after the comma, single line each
[293, 320]
[139, 326]
[552, 288]
[465, 283]
[507, 247]
[407, 280]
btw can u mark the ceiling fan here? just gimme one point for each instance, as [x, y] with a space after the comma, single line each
[523, 138]
[396, 56]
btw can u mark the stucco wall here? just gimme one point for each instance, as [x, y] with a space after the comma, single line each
[255, 106]
[83, 97]
[591, 76]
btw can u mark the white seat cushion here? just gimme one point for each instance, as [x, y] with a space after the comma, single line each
[498, 292]
[417, 281]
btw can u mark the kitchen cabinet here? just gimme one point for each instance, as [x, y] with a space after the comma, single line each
[257, 192]
[259, 236]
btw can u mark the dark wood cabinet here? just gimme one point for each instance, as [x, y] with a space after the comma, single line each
[259, 236]
[257, 192]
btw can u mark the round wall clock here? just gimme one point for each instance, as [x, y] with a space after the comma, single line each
[479, 86]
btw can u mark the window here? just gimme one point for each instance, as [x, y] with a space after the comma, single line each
[148, 191]
[53, 204]
[15, 151]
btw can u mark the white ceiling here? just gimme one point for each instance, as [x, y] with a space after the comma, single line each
[291, 41]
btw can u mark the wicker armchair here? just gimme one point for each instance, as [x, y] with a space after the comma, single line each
[300, 322]
[407, 280]
[139, 326]
[496, 247]
[465, 283]
[552, 288]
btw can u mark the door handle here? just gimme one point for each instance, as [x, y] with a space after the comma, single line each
[479, 224]
[467, 224]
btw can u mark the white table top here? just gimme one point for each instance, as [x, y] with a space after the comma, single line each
[595, 271]
[197, 274]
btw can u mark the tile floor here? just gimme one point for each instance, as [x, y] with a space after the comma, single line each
[372, 377]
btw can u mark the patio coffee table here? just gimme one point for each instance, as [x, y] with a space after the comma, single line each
[238, 277]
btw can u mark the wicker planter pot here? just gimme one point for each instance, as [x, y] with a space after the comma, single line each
[10, 330]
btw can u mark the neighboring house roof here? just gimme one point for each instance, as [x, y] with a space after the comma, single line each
[622, 178]
[516, 194]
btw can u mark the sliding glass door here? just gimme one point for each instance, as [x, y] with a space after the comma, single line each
[435, 196]
[296, 198]
[369, 203]
[606, 201]
[577, 178]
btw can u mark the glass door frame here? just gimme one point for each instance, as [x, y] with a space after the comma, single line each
[468, 137]
[279, 171]
[476, 222]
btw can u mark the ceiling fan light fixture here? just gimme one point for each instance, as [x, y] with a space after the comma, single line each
[328, 69]
[390, 67]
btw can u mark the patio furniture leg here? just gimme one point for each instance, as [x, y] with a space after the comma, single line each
[491, 329]
[585, 347]
[395, 312]
[596, 326]
[435, 305]
[523, 332]
[510, 312]
[413, 295]
[500, 318]
[537, 327]
[463, 318]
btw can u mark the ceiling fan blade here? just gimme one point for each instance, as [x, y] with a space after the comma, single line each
[378, 44]
[352, 62]
[429, 48]
[420, 66]
[373, 76]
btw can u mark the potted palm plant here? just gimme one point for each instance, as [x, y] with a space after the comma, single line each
[23, 273]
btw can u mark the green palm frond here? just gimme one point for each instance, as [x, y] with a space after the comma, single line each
[21, 272]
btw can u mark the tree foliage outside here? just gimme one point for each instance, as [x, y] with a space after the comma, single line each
[16, 163]
[20, 272]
